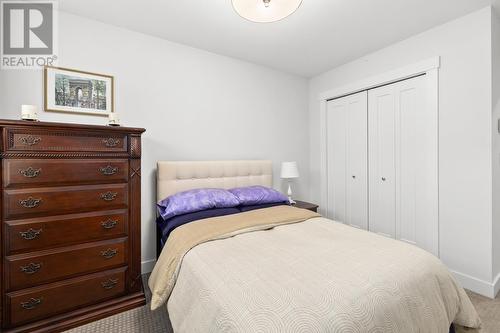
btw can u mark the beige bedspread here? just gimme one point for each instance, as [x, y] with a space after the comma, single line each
[314, 276]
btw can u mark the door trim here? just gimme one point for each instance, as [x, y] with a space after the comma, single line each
[399, 74]
[429, 67]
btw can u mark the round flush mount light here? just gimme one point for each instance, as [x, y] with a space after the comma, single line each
[265, 11]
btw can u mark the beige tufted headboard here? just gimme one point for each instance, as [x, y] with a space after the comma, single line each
[177, 176]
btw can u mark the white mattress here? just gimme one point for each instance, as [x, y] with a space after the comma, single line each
[315, 276]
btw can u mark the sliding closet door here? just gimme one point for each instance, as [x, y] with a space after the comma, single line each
[403, 171]
[357, 161]
[382, 119]
[347, 160]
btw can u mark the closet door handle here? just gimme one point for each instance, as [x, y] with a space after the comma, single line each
[353, 177]
[383, 179]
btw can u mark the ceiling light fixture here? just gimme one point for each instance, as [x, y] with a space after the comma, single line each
[265, 11]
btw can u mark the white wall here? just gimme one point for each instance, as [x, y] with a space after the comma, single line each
[194, 105]
[495, 39]
[465, 144]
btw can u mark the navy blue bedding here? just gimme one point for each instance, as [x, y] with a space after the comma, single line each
[165, 227]
[253, 207]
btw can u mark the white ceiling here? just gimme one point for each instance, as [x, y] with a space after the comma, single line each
[321, 35]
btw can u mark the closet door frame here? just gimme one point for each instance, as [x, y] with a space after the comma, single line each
[429, 67]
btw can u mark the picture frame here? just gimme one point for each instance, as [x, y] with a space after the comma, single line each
[78, 92]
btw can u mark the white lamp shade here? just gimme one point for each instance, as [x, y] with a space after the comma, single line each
[257, 11]
[289, 170]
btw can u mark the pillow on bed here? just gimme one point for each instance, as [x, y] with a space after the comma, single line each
[196, 200]
[167, 226]
[254, 207]
[257, 195]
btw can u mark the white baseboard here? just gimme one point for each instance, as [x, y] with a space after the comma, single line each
[496, 285]
[147, 266]
[478, 286]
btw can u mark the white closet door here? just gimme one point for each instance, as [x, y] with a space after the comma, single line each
[382, 117]
[336, 117]
[347, 160]
[403, 173]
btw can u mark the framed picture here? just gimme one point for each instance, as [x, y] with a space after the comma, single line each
[73, 91]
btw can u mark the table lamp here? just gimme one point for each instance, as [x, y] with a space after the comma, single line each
[289, 171]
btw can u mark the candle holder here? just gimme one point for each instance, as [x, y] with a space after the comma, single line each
[29, 112]
[113, 119]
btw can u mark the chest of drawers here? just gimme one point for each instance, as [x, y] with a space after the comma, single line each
[70, 214]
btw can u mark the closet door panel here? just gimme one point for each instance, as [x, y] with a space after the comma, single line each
[357, 161]
[403, 169]
[382, 168]
[337, 140]
[347, 160]
[408, 97]
[417, 209]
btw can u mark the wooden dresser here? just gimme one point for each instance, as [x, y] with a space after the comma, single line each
[71, 223]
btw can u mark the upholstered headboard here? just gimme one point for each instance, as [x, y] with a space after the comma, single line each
[173, 177]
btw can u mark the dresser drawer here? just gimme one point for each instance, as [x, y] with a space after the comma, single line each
[76, 141]
[36, 303]
[60, 200]
[53, 231]
[27, 270]
[56, 172]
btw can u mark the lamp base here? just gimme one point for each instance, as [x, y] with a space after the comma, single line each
[292, 202]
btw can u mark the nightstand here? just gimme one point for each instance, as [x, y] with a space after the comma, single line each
[306, 205]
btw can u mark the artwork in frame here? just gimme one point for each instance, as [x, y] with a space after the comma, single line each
[74, 91]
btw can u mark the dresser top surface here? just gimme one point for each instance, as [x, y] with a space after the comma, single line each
[53, 125]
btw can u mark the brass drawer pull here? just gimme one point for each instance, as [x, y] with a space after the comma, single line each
[111, 142]
[109, 196]
[31, 304]
[30, 172]
[109, 224]
[30, 234]
[109, 253]
[30, 202]
[30, 140]
[32, 268]
[108, 170]
[109, 284]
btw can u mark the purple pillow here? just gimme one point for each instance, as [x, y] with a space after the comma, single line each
[196, 200]
[257, 195]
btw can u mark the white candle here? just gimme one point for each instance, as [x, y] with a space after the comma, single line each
[114, 119]
[29, 112]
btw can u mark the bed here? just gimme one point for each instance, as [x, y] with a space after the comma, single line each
[284, 269]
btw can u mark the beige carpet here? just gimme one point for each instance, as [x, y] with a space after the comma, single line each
[489, 311]
[142, 320]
